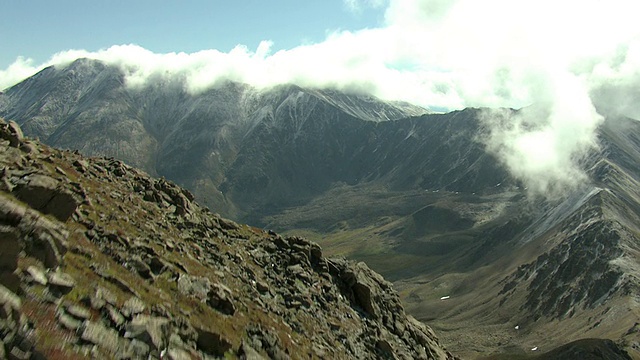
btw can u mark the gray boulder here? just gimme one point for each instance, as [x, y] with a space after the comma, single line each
[11, 131]
[46, 195]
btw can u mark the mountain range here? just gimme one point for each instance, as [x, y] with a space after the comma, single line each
[101, 261]
[416, 195]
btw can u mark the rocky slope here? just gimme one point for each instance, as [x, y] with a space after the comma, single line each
[100, 260]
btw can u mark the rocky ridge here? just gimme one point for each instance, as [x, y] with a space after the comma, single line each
[100, 260]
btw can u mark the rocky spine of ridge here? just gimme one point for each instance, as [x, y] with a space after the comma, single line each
[100, 260]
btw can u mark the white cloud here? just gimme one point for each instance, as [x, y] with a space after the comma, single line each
[357, 6]
[564, 57]
[542, 143]
[16, 72]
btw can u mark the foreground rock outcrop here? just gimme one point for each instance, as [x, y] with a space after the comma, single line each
[100, 260]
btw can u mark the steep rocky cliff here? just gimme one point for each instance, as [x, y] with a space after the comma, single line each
[100, 260]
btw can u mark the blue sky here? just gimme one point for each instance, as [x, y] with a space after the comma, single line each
[37, 29]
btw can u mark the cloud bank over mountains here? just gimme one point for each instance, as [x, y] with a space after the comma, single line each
[439, 53]
[568, 58]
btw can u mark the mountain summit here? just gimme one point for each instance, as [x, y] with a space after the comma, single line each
[204, 141]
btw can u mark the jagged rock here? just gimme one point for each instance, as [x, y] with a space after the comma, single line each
[261, 338]
[141, 268]
[9, 240]
[10, 247]
[139, 349]
[37, 190]
[194, 286]
[178, 354]
[105, 295]
[228, 224]
[45, 194]
[78, 312]
[28, 147]
[117, 319]
[38, 275]
[212, 343]
[157, 265]
[69, 322]
[148, 329]
[46, 238]
[19, 354]
[385, 347]
[425, 337]
[133, 306]
[262, 287]
[10, 303]
[172, 194]
[105, 338]
[81, 165]
[366, 287]
[60, 282]
[219, 298]
[11, 131]
[248, 353]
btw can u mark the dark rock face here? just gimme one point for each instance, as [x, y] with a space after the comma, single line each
[137, 269]
[212, 343]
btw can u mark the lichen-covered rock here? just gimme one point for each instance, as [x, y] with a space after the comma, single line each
[219, 298]
[38, 275]
[133, 306]
[11, 131]
[10, 247]
[107, 339]
[9, 302]
[27, 229]
[60, 282]
[46, 195]
[148, 329]
[197, 287]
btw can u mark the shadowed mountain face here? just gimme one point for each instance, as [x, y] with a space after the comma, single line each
[416, 196]
[249, 144]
